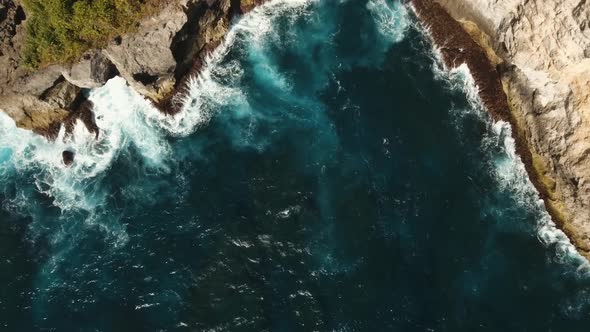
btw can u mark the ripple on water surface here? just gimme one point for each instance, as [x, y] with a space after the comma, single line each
[324, 174]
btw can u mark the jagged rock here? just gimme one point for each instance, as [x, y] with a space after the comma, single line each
[81, 109]
[61, 95]
[248, 5]
[68, 157]
[204, 30]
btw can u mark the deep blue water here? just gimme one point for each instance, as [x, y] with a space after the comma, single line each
[325, 175]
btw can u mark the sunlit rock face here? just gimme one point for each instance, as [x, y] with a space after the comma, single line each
[546, 45]
[325, 171]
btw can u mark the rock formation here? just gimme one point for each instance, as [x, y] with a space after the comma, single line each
[68, 157]
[154, 60]
[542, 49]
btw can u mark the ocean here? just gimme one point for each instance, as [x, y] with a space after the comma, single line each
[326, 173]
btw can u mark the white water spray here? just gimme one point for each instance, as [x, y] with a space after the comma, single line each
[509, 170]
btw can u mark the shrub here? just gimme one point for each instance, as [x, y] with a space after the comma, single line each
[61, 30]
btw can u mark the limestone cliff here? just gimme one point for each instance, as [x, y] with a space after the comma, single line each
[543, 48]
[154, 60]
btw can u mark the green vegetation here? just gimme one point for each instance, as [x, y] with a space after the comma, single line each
[61, 30]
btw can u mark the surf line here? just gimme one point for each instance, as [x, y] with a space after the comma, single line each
[456, 47]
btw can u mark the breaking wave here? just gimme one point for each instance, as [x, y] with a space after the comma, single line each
[507, 167]
[218, 83]
[391, 18]
[275, 185]
[128, 120]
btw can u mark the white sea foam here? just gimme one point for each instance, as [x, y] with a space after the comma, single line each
[392, 18]
[78, 189]
[118, 114]
[218, 82]
[126, 119]
[509, 170]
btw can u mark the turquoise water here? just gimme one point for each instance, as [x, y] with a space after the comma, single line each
[325, 174]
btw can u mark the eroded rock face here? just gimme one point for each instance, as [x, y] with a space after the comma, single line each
[42, 99]
[208, 22]
[35, 100]
[30, 112]
[145, 58]
[61, 94]
[546, 45]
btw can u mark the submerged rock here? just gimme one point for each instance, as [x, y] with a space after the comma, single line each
[68, 157]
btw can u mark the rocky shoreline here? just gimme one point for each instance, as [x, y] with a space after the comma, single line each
[156, 60]
[506, 95]
[532, 72]
[167, 102]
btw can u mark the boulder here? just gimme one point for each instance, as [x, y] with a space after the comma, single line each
[61, 95]
[92, 71]
[68, 157]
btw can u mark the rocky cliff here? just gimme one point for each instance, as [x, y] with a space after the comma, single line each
[542, 52]
[154, 60]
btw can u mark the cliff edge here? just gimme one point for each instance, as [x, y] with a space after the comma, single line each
[155, 60]
[541, 50]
